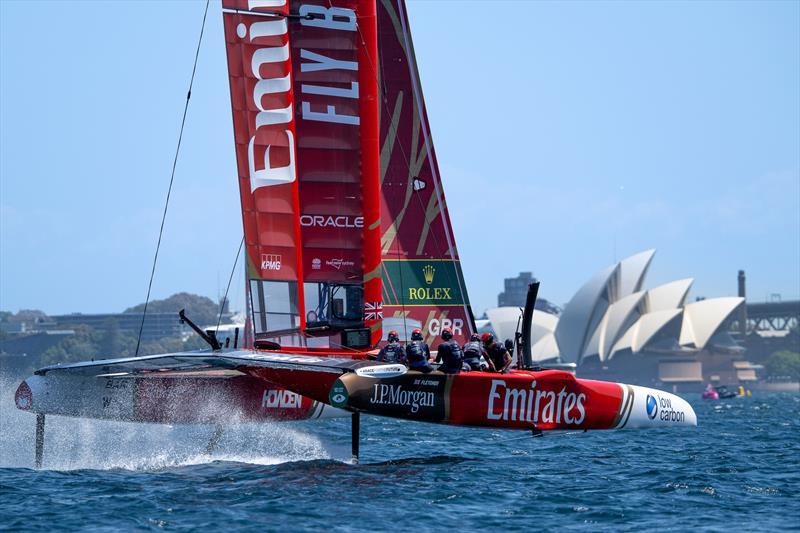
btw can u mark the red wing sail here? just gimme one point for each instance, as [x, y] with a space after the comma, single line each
[422, 281]
[303, 93]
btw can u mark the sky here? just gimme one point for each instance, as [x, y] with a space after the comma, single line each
[569, 136]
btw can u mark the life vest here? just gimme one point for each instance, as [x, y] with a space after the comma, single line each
[473, 350]
[451, 356]
[392, 353]
[417, 353]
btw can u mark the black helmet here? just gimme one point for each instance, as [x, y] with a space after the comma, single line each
[416, 335]
[393, 336]
[447, 334]
[474, 337]
[509, 345]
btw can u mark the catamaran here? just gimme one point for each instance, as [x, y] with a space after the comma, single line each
[347, 236]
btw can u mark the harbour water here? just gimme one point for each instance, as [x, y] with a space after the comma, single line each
[737, 471]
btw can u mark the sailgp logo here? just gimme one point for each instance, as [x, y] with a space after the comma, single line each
[338, 395]
[652, 407]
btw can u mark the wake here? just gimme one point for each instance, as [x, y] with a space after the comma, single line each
[77, 444]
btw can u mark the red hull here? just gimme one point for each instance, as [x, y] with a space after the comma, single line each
[517, 400]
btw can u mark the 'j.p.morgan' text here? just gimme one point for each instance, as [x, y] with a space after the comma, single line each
[383, 394]
[531, 405]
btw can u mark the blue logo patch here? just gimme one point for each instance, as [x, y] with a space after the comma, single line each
[652, 407]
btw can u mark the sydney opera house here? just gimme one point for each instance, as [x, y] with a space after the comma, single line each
[615, 328]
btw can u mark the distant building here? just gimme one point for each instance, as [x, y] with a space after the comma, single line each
[25, 321]
[156, 325]
[615, 329]
[34, 343]
[516, 291]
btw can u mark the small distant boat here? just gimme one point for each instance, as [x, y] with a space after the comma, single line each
[710, 393]
[721, 392]
[724, 394]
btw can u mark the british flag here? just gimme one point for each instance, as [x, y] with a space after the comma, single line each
[373, 311]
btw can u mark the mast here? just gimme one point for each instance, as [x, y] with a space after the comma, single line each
[370, 165]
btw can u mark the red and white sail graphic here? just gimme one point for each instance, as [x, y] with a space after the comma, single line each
[304, 96]
[262, 102]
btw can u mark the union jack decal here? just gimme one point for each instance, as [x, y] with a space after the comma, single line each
[373, 311]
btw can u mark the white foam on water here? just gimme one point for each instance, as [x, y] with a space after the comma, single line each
[76, 443]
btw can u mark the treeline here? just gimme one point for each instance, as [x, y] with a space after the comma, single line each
[201, 309]
[783, 365]
[112, 343]
[103, 342]
[87, 344]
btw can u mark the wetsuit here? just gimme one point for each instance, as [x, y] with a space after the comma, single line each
[473, 351]
[417, 355]
[451, 356]
[497, 353]
[392, 353]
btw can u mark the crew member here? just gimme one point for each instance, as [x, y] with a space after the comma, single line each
[449, 353]
[418, 353]
[509, 344]
[473, 352]
[392, 352]
[498, 354]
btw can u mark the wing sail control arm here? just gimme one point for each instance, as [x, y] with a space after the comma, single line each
[207, 336]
